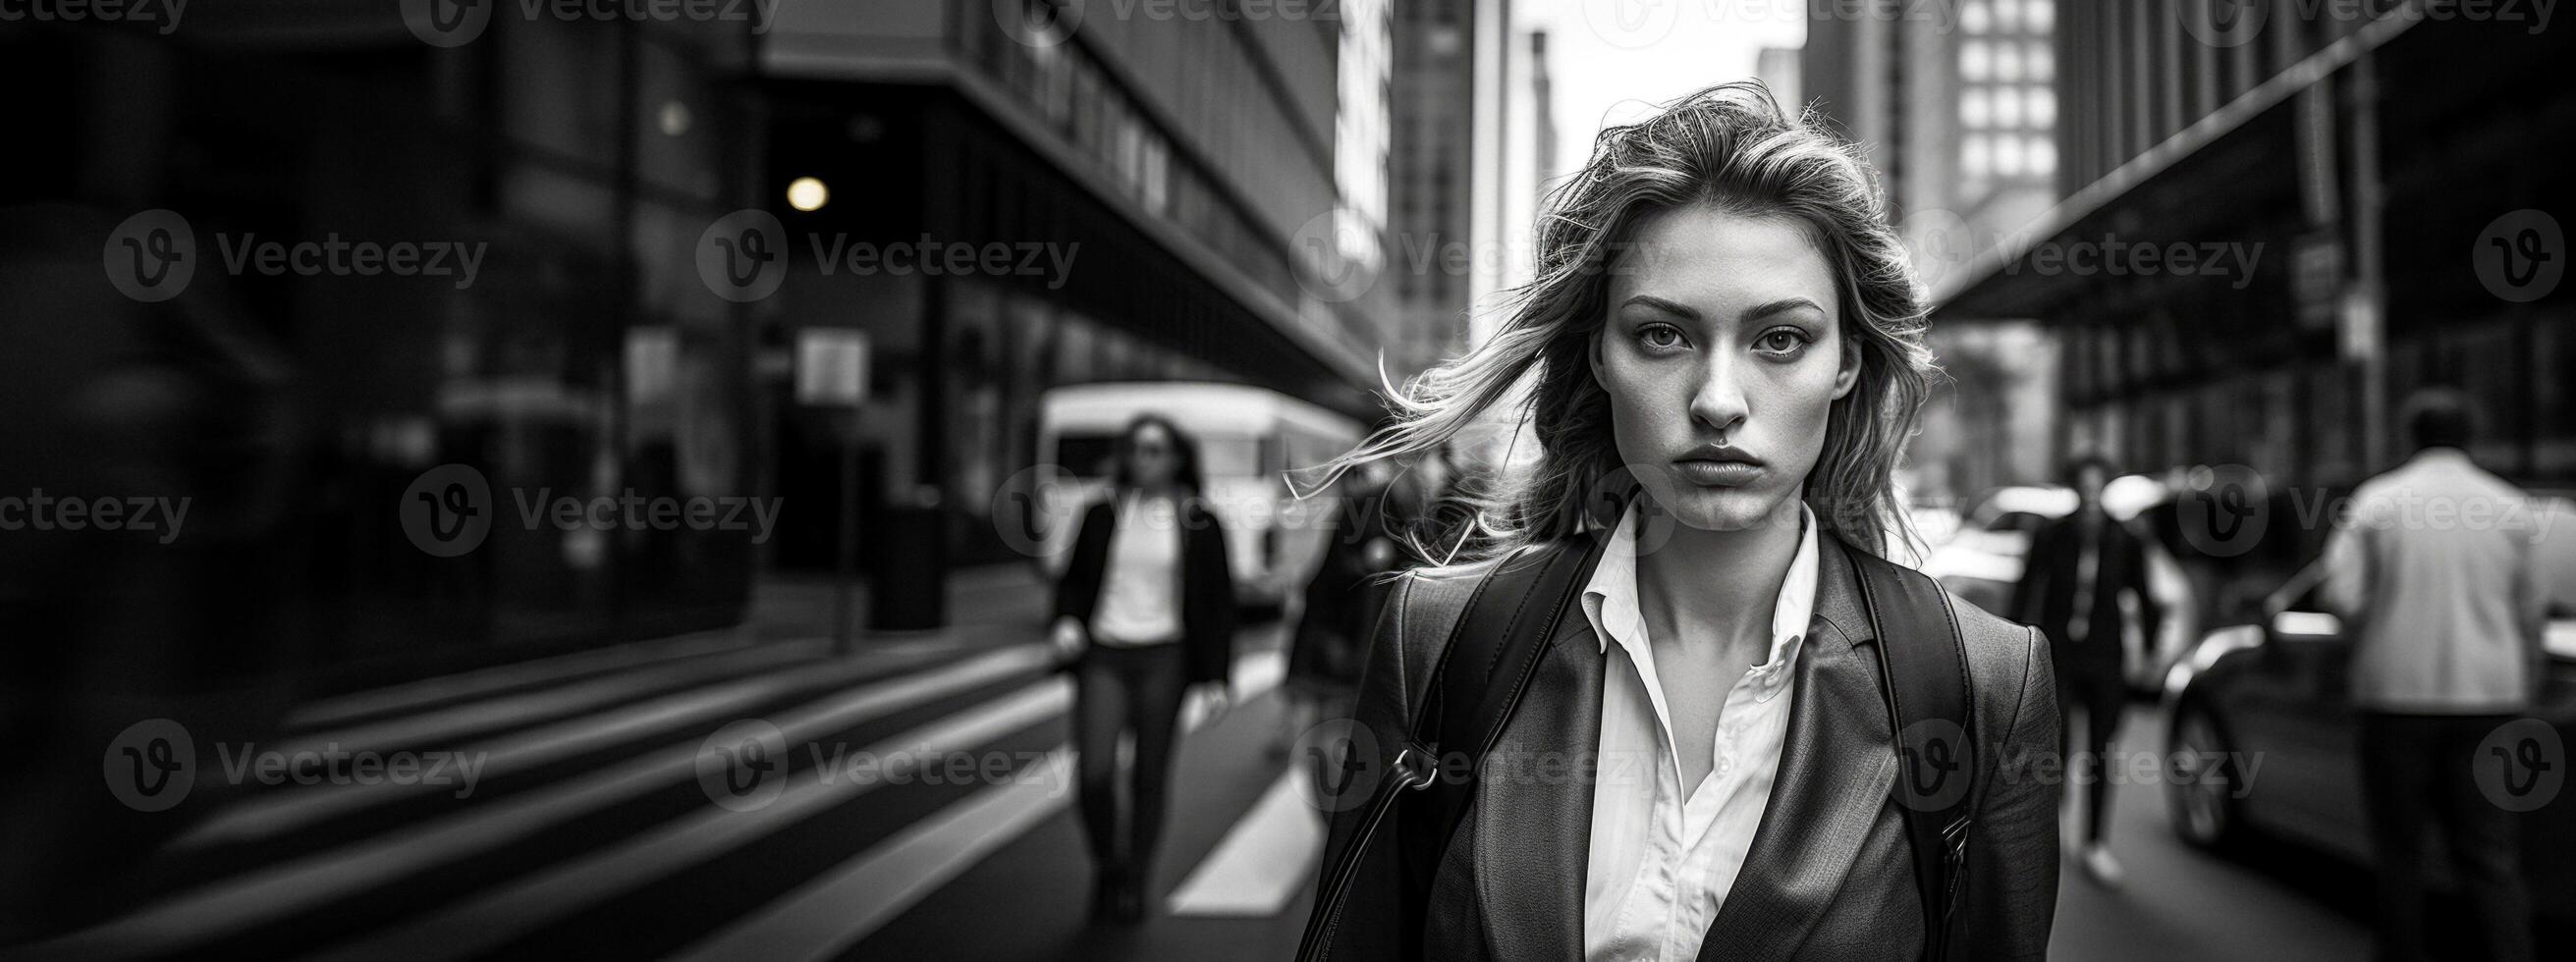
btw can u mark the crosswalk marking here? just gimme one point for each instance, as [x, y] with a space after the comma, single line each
[1246, 875]
[430, 691]
[512, 910]
[275, 814]
[852, 900]
[281, 891]
[455, 722]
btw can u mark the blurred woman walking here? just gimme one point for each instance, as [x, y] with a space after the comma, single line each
[1144, 612]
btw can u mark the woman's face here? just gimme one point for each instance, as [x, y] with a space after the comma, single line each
[1722, 326]
[1152, 458]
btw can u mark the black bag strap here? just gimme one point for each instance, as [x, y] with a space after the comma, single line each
[1485, 664]
[1923, 667]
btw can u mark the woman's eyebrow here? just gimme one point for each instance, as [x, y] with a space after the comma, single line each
[1782, 306]
[1661, 304]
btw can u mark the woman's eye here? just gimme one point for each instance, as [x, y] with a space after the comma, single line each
[1782, 341]
[1660, 336]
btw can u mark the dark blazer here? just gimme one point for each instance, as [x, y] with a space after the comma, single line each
[1207, 583]
[1830, 874]
[2045, 596]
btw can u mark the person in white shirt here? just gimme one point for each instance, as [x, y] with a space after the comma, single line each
[1720, 359]
[1144, 612]
[2435, 573]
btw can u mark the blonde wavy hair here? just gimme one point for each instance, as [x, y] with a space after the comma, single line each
[1732, 147]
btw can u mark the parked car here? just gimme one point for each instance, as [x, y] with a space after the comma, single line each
[2259, 720]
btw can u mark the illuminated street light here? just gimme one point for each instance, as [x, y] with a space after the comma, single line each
[807, 194]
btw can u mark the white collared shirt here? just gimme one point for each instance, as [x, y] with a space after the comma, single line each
[1662, 859]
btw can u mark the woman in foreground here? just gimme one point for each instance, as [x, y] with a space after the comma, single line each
[1724, 354]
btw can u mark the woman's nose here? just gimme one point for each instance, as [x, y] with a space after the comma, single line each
[1717, 400]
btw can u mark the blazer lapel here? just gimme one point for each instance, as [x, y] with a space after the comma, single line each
[1836, 767]
[1532, 819]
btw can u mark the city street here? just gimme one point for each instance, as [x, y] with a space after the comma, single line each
[592, 831]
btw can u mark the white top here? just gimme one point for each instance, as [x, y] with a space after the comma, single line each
[2436, 564]
[1140, 592]
[1662, 860]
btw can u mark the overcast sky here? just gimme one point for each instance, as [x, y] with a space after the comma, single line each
[1613, 58]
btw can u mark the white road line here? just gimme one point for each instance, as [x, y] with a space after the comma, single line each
[499, 677]
[455, 722]
[510, 911]
[270, 815]
[865, 892]
[272, 893]
[844, 905]
[1248, 874]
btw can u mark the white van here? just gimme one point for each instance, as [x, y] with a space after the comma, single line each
[1247, 436]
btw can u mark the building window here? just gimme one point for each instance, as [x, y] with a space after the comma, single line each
[1976, 108]
[1976, 60]
[2043, 156]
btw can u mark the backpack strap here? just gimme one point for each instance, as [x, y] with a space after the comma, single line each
[1492, 650]
[1923, 667]
[1487, 665]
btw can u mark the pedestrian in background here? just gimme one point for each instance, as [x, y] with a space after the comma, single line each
[2446, 621]
[1341, 601]
[2070, 590]
[1145, 611]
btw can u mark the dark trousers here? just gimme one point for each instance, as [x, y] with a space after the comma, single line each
[2417, 771]
[2089, 681]
[1126, 691]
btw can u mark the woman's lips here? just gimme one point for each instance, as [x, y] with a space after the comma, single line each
[1717, 474]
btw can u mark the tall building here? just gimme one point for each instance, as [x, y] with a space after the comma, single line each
[577, 357]
[1193, 174]
[2277, 226]
[1778, 68]
[1957, 117]
[1434, 156]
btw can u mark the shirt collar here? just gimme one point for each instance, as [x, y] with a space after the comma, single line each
[1610, 598]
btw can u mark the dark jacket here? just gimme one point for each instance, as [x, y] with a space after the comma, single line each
[1341, 602]
[2045, 596]
[1830, 874]
[1207, 583]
